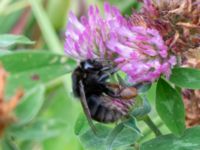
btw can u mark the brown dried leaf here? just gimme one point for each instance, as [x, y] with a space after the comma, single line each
[187, 25]
[6, 107]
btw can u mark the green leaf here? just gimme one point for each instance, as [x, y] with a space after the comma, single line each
[123, 135]
[143, 88]
[132, 124]
[60, 105]
[120, 138]
[170, 107]
[7, 143]
[124, 139]
[24, 61]
[186, 77]
[7, 40]
[113, 135]
[188, 141]
[30, 105]
[29, 68]
[4, 52]
[81, 124]
[127, 6]
[90, 141]
[142, 107]
[39, 130]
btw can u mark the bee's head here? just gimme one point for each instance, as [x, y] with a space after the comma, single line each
[91, 65]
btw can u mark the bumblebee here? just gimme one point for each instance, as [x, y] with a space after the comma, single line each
[101, 100]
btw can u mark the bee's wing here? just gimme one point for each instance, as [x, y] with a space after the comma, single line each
[85, 107]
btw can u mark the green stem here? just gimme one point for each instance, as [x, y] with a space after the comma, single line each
[147, 132]
[137, 146]
[152, 126]
[46, 27]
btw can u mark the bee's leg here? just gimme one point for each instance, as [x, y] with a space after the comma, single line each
[101, 81]
[105, 75]
[112, 70]
[114, 93]
[106, 68]
[111, 93]
[85, 107]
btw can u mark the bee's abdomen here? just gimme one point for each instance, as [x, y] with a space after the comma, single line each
[106, 109]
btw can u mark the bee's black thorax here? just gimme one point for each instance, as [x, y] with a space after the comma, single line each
[90, 79]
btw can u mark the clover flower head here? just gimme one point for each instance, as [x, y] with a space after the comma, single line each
[136, 49]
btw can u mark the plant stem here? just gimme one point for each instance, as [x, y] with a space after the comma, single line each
[152, 126]
[46, 27]
[137, 146]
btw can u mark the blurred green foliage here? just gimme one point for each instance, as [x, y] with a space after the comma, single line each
[47, 114]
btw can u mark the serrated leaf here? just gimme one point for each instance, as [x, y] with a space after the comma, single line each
[39, 130]
[186, 77]
[29, 68]
[7, 40]
[190, 140]
[30, 105]
[170, 107]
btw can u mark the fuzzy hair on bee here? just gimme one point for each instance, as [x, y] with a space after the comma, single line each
[101, 100]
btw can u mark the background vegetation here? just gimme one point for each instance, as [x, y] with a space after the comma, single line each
[47, 114]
